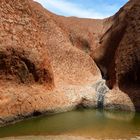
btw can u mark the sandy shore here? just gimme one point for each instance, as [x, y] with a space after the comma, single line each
[62, 137]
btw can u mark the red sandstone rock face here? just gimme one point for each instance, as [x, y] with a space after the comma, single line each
[40, 69]
[47, 62]
[66, 59]
[113, 44]
[120, 46]
[23, 56]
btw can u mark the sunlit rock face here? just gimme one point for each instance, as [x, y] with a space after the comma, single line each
[25, 69]
[22, 58]
[113, 43]
[40, 70]
[50, 63]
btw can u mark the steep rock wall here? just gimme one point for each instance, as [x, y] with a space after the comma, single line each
[40, 70]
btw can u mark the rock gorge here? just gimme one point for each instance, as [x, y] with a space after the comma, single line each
[51, 63]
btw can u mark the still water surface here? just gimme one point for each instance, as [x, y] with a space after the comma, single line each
[83, 122]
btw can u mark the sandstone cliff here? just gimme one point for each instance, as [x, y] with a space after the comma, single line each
[50, 63]
[120, 46]
[40, 69]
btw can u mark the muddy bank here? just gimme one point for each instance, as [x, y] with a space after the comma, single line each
[60, 138]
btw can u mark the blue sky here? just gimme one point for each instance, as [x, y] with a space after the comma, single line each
[83, 8]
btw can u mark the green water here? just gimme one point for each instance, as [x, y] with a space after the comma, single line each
[84, 122]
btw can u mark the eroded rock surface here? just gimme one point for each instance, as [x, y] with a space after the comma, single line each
[122, 57]
[40, 70]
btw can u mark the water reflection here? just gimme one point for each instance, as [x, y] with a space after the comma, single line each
[122, 116]
[81, 122]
